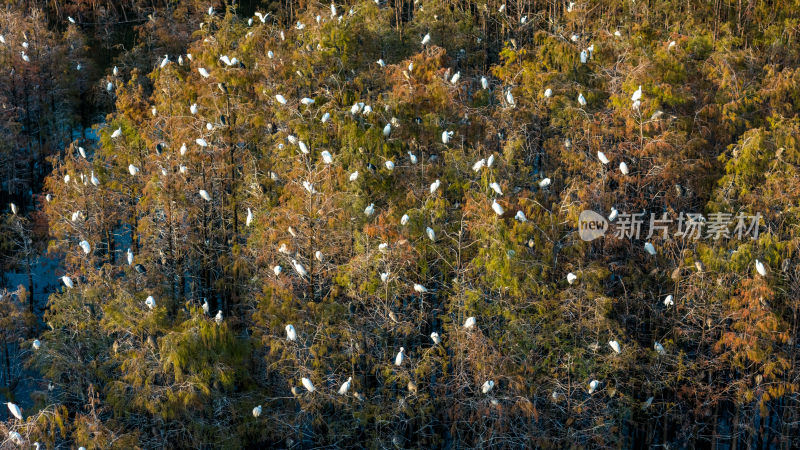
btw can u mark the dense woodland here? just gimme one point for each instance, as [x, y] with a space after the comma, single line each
[313, 225]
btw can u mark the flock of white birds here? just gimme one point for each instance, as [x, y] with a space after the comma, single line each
[359, 108]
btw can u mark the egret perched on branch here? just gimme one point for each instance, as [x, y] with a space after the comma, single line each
[205, 306]
[13, 208]
[613, 215]
[325, 117]
[384, 277]
[117, 133]
[201, 142]
[420, 288]
[345, 386]
[548, 93]
[193, 108]
[369, 210]
[510, 98]
[521, 216]
[326, 157]
[299, 269]
[584, 56]
[615, 346]
[309, 187]
[602, 157]
[204, 194]
[277, 270]
[761, 269]
[398, 360]
[412, 157]
[404, 220]
[581, 99]
[218, 317]
[479, 165]
[426, 39]
[150, 302]
[571, 277]
[446, 136]
[623, 168]
[164, 61]
[431, 234]
[435, 185]
[14, 410]
[496, 187]
[455, 78]
[67, 281]
[593, 385]
[307, 384]
[435, 338]
[487, 386]
[668, 301]
[85, 247]
[129, 256]
[37, 344]
[303, 147]
[648, 247]
[497, 208]
[203, 72]
[469, 323]
[257, 411]
[637, 95]
[484, 83]
[291, 334]
[387, 130]
[659, 348]
[307, 101]
[544, 183]
[354, 176]
[95, 181]
[249, 219]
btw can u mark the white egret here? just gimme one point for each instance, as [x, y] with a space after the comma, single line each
[150, 302]
[203, 72]
[109, 86]
[410, 67]
[205, 195]
[446, 136]
[455, 78]
[671, 44]
[333, 10]
[309, 187]
[117, 133]
[659, 348]
[307, 101]
[13, 208]
[291, 334]
[510, 98]
[623, 167]
[66, 178]
[584, 56]
[387, 130]
[615, 346]
[613, 215]
[367, 110]
[412, 157]
[479, 165]
[404, 219]
[257, 411]
[544, 183]
[469, 323]
[389, 165]
[71, 20]
[520, 216]
[164, 61]
[435, 338]
[369, 210]
[602, 157]
[95, 181]
[201, 142]
[48, 197]
[193, 108]
[571, 277]
[636, 105]
[205, 306]
[668, 301]
[497, 208]
[14, 409]
[496, 187]
[325, 117]
[761, 269]
[37, 344]
[307, 384]
[426, 39]
[435, 185]
[648, 247]
[303, 147]
[249, 219]
[431, 234]
[67, 281]
[637, 95]
[277, 270]
[398, 360]
[617, 33]
[318, 255]
[299, 268]
[354, 176]
[581, 99]
[85, 247]
[484, 83]
[383, 246]
[218, 317]
[420, 288]
[345, 386]
[82, 152]
[326, 157]
[16, 437]
[381, 62]
[487, 386]
[593, 385]
[270, 54]
[384, 277]
[548, 93]
[129, 256]
[501, 8]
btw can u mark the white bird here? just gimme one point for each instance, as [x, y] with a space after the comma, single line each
[593, 385]
[544, 183]
[668, 301]
[420, 288]
[193, 108]
[431, 234]
[501, 8]
[613, 215]
[490, 160]
[426, 39]
[129, 256]
[261, 16]
[389, 165]
[249, 219]
[326, 157]
[307, 101]
[13, 208]
[497, 208]
[584, 56]
[325, 117]
[384, 277]
[204, 194]
[484, 83]
[257, 411]
[318, 255]
[398, 360]
[496, 187]
[345, 386]
[369, 210]
[150, 302]
[446, 136]
[615, 345]
[201, 142]
[671, 44]
[617, 33]
[571, 277]
[469, 323]
[659, 348]
[387, 130]
[623, 167]
[510, 98]
[455, 78]
[548, 93]
[299, 269]
[521, 216]
[602, 157]
[648, 247]
[303, 147]
[109, 86]
[333, 9]
[479, 165]
[226, 60]
[636, 105]
[164, 61]
[307, 384]
[581, 100]
[206, 308]
[309, 187]
[637, 95]
[761, 269]
[117, 133]
[410, 67]
[48, 197]
[94, 179]
[37, 344]
[435, 338]
[281, 99]
[270, 54]
[218, 317]
[412, 157]
[67, 281]
[16, 438]
[203, 72]
[85, 247]
[153, 111]
[354, 176]
[404, 220]
[14, 409]
[487, 386]
[66, 178]
[435, 185]
[383, 246]
[291, 334]
[71, 20]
